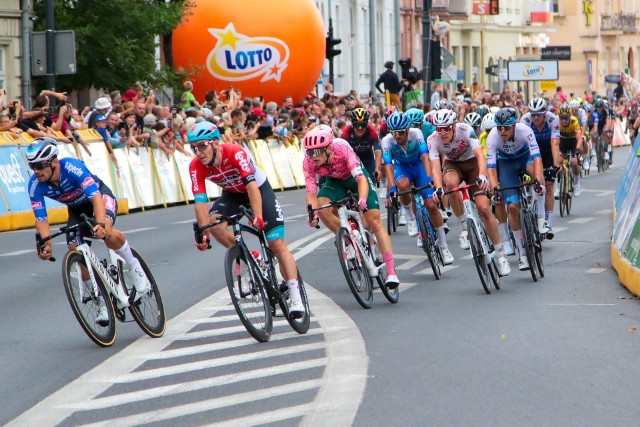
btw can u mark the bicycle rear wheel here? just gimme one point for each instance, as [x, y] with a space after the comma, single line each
[391, 295]
[247, 294]
[148, 311]
[600, 155]
[529, 230]
[537, 249]
[570, 187]
[478, 257]
[562, 194]
[392, 218]
[354, 269]
[429, 243]
[85, 300]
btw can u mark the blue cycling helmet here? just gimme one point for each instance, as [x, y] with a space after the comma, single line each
[203, 131]
[415, 115]
[42, 150]
[506, 117]
[398, 121]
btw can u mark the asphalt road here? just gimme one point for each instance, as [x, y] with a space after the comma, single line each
[561, 351]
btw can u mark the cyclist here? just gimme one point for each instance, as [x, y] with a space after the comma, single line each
[243, 184]
[464, 160]
[570, 142]
[68, 181]
[510, 147]
[581, 115]
[336, 160]
[363, 138]
[482, 110]
[382, 129]
[417, 120]
[546, 129]
[406, 159]
[474, 120]
[597, 122]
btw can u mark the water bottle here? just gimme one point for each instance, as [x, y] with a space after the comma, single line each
[263, 267]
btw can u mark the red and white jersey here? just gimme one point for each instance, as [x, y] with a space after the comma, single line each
[235, 172]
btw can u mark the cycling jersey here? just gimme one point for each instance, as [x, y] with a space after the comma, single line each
[76, 188]
[344, 163]
[581, 115]
[235, 172]
[459, 149]
[483, 141]
[427, 130]
[363, 147]
[550, 130]
[392, 152]
[382, 130]
[523, 142]
[570, 130]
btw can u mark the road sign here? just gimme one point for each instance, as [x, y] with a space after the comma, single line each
[532, 70]
[65, 53]
[547, 85]
[562, 53]
[612, 78]
[492, 70]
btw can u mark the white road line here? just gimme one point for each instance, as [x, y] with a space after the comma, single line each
[22, 252]
[409, 264]
[595, 270]
[443, 269]
[470, 256]
[605, 193]
[210, 404]
[138, 230]
[578, 305]
[312, 246]
[558, 229]
[186, 221]
[581, 220]
[265, 418]
[604, 212]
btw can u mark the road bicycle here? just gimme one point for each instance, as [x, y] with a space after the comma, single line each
[393, 215]
[531, 238]
[426, 231]
[601, 151]
[105, 285]
[566, 181]
[482, 250]
[358, 253]
[253, 283]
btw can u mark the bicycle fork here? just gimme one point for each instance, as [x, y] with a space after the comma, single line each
[362, 254]
[117, 291]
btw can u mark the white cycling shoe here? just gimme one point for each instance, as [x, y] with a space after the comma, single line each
[136, 276]
[392, 281]
[296, 307]
[503, 266]
[102, 318]
[402, 220]
[447, 257]
[412, 228]
[543, 226]
[523, 265]
[464, 240]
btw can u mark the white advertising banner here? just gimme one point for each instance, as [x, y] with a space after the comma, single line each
[182, 163]
[281, 164]
[100, 165]
[66, 151]
[144, 177]
[262, 156]
[296, 157]
[519, 71]
[168, 177]
[126, 178]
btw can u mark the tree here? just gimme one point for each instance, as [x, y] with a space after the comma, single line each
[115, 40]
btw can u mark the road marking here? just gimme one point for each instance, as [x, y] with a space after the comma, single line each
[579, 304]
[557, 229]
[138, 230]
[185, 221]
[581, 220]
[604, 212]
[22, 252]
[595, 270]
[410, 264]
[443, 269]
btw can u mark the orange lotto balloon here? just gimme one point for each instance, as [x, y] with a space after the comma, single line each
[273, 48]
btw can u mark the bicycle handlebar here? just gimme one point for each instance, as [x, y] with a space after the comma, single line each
[459, 188]
[40, 241]
[231, 219]
[517, 187]
[415, 190]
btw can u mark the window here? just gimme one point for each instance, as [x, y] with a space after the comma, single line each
[556, 7]
[3, 68]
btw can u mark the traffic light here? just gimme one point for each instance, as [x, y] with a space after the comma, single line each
[330, 52]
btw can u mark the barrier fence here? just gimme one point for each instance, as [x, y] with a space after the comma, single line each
[143, 178]
[625, 244]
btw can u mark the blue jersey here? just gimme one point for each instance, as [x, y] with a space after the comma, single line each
[77, 187]
[410, 155]
[427, 130]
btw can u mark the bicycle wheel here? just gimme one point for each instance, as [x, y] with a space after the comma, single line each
[529, 230]
[247, 294]
[600, 155]
[570, 186]
[148, 311]
[354, 269]
[392, 220]
[85, 300]
[537, 248]
[479, 258]
[429, 243]
[562, 194]
[391, 295]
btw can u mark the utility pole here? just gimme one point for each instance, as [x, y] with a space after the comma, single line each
[426, 50]
[50, 46]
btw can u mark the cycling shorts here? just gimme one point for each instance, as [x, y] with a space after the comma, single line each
[229, 204]
[337, 189]
[508, 173]
[568, 146]
[111, 207]
[416, 175]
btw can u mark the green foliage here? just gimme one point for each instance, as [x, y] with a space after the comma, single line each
[115, 40]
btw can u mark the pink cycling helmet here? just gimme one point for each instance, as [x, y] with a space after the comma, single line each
[319, 137]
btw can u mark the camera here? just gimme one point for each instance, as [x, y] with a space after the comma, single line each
[409, 72]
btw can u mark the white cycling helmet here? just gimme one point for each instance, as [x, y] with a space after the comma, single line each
[42, 150]
[537, 105]
[574, 104]
[494, 109]
[473, 119]
[488, 122]
[444, 118]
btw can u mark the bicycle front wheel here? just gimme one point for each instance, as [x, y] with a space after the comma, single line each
[148, 310]
[562, 190]
[247, 294]
[391, 295]
[571, 187]
[87, 299]
[354, 269]
[429, 243]
[479, 257]
[392, 220]
[529, 229]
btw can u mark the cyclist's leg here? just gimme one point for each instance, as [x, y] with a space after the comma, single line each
[508, 176]
[403, 181]
[225, 205]
[333, 189]
[452, 175]
[550, 175]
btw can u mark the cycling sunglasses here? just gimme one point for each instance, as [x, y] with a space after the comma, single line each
[200, 147]
[398, 132]
[444, 129]
[360, 125]
[315, 152]
[38, 166]
[503, 128]
[537, 114]
[565, 117]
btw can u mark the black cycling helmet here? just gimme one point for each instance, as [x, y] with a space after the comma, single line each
[506, 117]
[482, 110]
[599, 103]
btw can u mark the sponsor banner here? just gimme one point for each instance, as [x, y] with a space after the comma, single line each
[126, 179]
[144, 176]
[169, 182]
[532, 70]
[262, 156]
[547, 85]
[14, 179]
[99, 164]
[296, 157]
[280, 161]
[562, 53]
[182, 164]
[627, 208]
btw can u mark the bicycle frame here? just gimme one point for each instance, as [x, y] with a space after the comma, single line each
[471, 211]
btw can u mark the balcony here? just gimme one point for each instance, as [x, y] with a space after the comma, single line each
[450, 9]
[621, 21]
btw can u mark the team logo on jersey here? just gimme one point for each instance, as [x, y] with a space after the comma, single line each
[36, 205]
[69, 197]
[73, 169]
[109, 203]
[89, 181]
[238, 57]
[194, 181]
[242, 161]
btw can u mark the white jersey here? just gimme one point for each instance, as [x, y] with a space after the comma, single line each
[459, 149]
[550, 129]
[524, 141]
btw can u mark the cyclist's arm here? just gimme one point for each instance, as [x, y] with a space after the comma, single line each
[426, 163]
[42, 228]
[390, 177]
[436, 168]
[202, 213]
[312, 200]
[363, 188]
[255, 198]
[555, 151]
[538, 170]
[482, 161]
